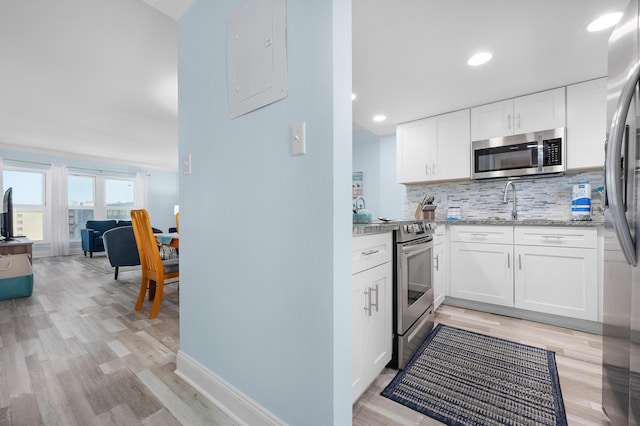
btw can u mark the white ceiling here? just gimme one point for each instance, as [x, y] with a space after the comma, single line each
[93, 79]
[409, 56]
[98, 79]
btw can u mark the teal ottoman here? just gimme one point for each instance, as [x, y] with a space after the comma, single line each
[16, 276]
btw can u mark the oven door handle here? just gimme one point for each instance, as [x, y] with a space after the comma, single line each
[419, 248]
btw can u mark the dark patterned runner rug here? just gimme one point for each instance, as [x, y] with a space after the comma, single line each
[459, 377]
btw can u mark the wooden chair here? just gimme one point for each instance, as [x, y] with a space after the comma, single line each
[154, 270]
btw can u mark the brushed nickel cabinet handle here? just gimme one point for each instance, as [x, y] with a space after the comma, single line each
[371, 304]
[367, 300]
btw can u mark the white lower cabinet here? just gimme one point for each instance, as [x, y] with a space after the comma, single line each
[552, 270]
[439, 266]
[372, 312]
[482, 272]
[480, 268]
[557, 272]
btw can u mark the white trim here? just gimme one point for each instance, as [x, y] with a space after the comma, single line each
[235, 404]
[71, 154]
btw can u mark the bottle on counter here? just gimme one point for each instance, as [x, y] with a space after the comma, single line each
[581, 202]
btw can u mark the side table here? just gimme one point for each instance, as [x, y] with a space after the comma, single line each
[17, 246]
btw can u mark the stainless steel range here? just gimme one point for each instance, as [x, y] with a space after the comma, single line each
[413, 289]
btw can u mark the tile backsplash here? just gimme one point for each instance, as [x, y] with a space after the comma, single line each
[538, 198]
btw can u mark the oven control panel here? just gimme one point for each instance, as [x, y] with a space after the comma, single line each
[417, 227]
[412, 230]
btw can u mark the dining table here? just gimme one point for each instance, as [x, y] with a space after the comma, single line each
[171, 239]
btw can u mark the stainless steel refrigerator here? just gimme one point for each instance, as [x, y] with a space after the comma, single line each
[621, 304]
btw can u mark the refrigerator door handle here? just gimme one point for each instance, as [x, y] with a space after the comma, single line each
[612, 169]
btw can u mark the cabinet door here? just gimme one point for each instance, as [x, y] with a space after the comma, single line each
[358, 302]
[539, 111]
[586, 124]
[439, 269]
[372, 328]
[557, 280]
[492, 120]
[453, 146]
[482, 272]
[435, 148]
[413, 151]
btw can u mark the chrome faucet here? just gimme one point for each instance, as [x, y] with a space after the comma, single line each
[514, 212]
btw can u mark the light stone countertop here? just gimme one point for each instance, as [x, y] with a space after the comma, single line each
[374, 227]
[379, 226]
[523, 222]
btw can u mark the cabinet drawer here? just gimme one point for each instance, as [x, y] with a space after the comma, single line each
[557, 236]
[482, 234]
[371, 250]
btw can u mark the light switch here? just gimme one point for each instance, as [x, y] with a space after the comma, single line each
[298, 143]
[187, 164]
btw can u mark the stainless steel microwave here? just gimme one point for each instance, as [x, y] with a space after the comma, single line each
[519, 155]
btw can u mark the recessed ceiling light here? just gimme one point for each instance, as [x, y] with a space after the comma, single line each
[379, 117]
[479, 59]
[353, 96]
[604, 22]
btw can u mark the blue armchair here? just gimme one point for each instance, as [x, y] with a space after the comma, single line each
[92, 235]
[120, 245]
[121, 248]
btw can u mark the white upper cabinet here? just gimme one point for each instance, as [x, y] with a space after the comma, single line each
[531, 113]
[435, 148]
[492, 120]
[453, 145]
[586, 124]
[413, 149]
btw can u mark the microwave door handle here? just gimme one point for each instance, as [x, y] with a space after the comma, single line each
[612, 166]
[540, 153]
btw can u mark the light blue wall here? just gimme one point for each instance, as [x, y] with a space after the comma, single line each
[375, 156]
[265, 295]
[366, 159]
[392, 194]
[162, 185]
[162, 195]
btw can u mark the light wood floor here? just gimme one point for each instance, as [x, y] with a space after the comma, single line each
[77, 353]
[578, 357]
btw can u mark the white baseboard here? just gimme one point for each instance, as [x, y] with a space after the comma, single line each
[438, 301]
[239, 407]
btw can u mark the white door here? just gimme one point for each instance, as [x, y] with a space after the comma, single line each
[453, 146]
[539, 111]
[586, 124]
[372, 327]
[492, 120]
[439, 269]
[557, 280]
[482, 272]
[413, 151]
